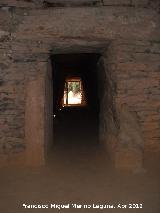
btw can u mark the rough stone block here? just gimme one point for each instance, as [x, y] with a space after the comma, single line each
[142, 3]
[116, 2]
[46, 24]
[34, 122]
[63, 3]
[16, 3]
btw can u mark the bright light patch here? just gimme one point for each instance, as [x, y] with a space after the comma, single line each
[73, 92]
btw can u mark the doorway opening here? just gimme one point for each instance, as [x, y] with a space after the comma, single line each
[75, 101]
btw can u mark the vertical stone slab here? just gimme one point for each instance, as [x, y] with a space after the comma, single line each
[108, 130]
[129, 150]
[121, 129]
[48, 110]
[34, 122]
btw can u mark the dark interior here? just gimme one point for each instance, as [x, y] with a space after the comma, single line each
[75, 127]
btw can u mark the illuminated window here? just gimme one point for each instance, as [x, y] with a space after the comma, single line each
[73, 92]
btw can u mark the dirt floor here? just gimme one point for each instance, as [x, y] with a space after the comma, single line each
[79, 173]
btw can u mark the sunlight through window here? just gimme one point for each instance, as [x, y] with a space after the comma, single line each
[73, 92]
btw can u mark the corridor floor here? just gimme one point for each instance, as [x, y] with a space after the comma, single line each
[78, 173]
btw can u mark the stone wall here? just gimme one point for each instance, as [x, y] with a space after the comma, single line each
[80, 3]
[138, 68]
[131, 122]
[127, 30]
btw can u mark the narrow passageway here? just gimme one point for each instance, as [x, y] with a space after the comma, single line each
[76, 138]
[76, 127]
[75, 109]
